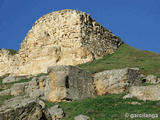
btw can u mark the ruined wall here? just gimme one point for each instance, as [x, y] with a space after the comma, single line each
[66, 37]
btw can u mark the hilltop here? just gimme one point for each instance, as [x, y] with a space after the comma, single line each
[65, 37]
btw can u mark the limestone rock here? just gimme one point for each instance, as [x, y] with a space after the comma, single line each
[39, 87]
[116, 81]
[81, 117]
[5, 92]
[18, 89]
[62, 84]
[151, 92]
[66, 37]
[56, 112]
[152, 79]
[70, 83]
[11, 78]
[23, 108]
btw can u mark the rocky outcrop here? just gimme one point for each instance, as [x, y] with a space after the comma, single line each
[10, 78]
[151, 92]
[22, 108]
[39, 87]
[66, 37]
[116, 81]
[64, 83]
[152, 79]
[18, 89]
[70, 83]
[56, 112]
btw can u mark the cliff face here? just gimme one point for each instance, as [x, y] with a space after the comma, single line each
[66, 37]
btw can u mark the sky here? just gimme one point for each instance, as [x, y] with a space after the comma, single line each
[136, 22]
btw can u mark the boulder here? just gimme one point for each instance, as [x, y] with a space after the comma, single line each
[151, 92]
[18, 89]
[70, 83]
[39, 87]
[116, 81]
[56, 112]
[81, 117]
[23, 108]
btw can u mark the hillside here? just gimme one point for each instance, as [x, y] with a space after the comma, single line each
[126, 56]
[70, 66]
[109, 107]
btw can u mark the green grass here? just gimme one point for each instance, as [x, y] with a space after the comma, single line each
[147, 84]
[126, 56]
[108, 107]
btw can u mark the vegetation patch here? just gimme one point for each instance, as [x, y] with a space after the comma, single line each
[126, 56]
[108, 107]
[12, 52]
[3, 98]
[147, 84]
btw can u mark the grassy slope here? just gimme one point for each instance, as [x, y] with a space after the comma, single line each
[108, 107]
[126, 56]
[113, 107]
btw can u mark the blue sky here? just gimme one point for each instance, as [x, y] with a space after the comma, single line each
[137, 22]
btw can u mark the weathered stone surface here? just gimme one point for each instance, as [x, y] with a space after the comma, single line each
[151, 92]
[5, 92]
[39, 87]
[66, 37]
[56, 112]
[152, 79]
[7, 63]
[10, 79]
[18, 89]
[116, 81]
[70, 83]
[62, 84]
[23, 108]
[81, 117]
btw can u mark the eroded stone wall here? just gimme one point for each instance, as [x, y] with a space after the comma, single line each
[66, 37]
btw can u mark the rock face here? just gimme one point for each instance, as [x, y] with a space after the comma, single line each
[151, 92]
[39, 87]
[116, 81]
[62, 84]
[70, 83]
[66, 37]
[18, 89]
[22, 108]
